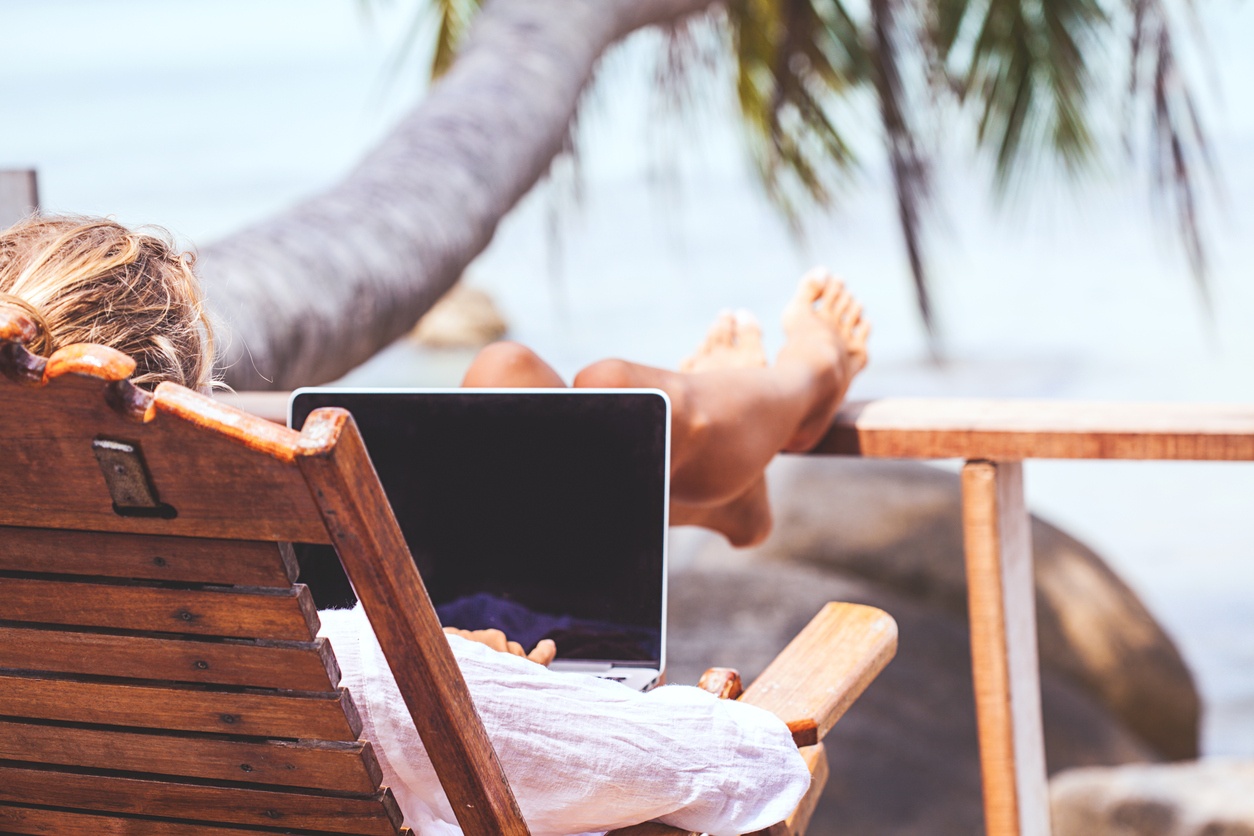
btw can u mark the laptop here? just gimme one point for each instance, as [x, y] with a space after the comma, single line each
[540, 512]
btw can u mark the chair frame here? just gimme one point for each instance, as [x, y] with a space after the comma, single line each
[318, 485]
[993, 437]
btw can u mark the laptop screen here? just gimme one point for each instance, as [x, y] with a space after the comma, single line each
[541, 513]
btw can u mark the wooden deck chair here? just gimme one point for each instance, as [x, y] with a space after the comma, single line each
[159, 666]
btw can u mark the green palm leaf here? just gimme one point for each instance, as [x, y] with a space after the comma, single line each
[1028, 70]
[794, 60]
[1023, 69]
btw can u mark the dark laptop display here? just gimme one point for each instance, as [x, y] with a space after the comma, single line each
[540, 513]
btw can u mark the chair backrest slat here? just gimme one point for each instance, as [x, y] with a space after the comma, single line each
[287, 614]
[37, 821]
[349, 768]
[217, 486]
[376, 816]
[329, 716]
[158, 661]
[290, 666]
[151, 557]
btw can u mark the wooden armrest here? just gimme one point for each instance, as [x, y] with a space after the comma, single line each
[811, 683]
[825, 668]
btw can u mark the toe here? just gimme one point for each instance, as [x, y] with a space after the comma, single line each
[858, 337]
[749, 339]
[748, 329]
[813, 284]
[853, 315]
[838, 310]
[723, 331]
[834, 298]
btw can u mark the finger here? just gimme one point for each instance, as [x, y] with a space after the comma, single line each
[516, 649]
[544, 653]
[454, 631]
[493, 638]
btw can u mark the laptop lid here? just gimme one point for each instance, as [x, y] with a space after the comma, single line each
[541, 512]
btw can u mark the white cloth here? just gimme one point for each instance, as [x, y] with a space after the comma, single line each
[582, 754]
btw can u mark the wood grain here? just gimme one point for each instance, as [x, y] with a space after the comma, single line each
[939, 428]
[33, 821]
[1003, 649]
[377, 816]
[292, 666]
[378, 563]
[825, 668]
[294, 716]
[174, 621]
[151, 557]
[218, 611]
[89, 360]
[17, 326]
[194, 449]
[343, 767]
[651, 828]
[723, 683]
[816, 761]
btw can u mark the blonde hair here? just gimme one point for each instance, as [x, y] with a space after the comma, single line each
[91, 280]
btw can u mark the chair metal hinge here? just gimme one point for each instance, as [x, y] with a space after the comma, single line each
[128, 480]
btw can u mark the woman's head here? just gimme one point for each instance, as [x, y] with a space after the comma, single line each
[90, 280]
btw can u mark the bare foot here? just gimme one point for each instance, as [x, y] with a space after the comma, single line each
[733, 342]
[744, 521]
[826, 337]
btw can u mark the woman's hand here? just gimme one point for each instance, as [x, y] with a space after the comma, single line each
[541, 654]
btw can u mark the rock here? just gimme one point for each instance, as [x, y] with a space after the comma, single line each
[465, 317]
[904, 759]
[1199, 798]
[899, 524]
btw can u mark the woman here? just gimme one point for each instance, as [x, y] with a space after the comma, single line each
[582, 754]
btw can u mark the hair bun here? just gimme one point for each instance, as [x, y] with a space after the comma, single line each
[33, 327]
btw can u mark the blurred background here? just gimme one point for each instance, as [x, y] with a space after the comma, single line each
[207, 117]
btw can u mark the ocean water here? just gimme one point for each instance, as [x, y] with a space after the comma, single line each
[204, 117]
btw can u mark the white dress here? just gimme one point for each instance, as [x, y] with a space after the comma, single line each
[582, 754]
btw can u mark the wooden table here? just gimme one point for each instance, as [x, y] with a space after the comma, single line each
[994, 437]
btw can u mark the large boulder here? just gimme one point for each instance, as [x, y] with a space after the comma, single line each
[465, 317]
[1201, 798]
[905, 759]
[899, 524]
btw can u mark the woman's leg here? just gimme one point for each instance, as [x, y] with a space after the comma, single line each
[507, 365]
[730, 411]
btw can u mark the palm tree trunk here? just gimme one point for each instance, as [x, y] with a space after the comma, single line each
[310, 293]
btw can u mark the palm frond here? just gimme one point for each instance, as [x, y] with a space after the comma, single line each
[907, 162]
[1028, 69]
[452, 21]
[454, 17]
[1178, 143]
[794, 59]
